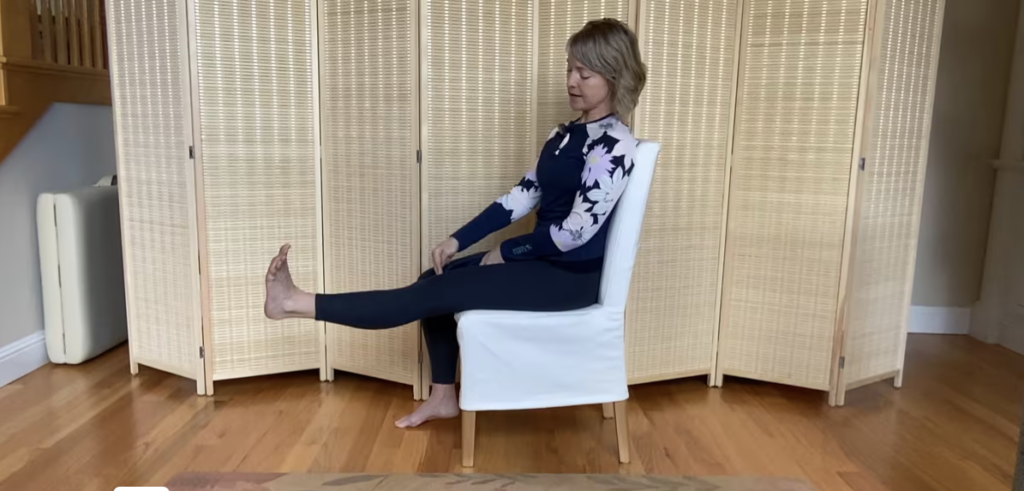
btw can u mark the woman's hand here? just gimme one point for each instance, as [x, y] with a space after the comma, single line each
[443, 254]
[493, 257]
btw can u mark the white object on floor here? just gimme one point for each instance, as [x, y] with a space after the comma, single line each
[22, 357]
[939, 320]
[528, 360]
[82, 273]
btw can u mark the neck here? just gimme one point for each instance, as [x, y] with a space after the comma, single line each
[594, 115]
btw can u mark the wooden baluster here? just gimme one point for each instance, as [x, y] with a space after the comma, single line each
[46, 18]
[86, 35]
[76, 50]
[60, 20]
[20, 29]
[97, 35]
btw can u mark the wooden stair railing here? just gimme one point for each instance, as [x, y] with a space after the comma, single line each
[50, 51]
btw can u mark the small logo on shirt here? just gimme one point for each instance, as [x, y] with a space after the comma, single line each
[521, 249]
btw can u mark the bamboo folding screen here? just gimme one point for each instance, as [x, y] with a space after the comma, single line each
[779, 239]
[690, 50]
[889, 205]
[149, 72]
[796, 120]
[369, 86]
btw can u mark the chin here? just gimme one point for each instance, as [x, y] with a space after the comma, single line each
[576, 104]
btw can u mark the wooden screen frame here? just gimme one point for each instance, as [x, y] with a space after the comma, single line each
[718, 374]
[636, 12]
[837, 396]
[868, 70]
[329, 352]
[203, 261]
[200, 375]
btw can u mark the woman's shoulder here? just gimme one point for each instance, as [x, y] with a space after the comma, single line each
[612, 131]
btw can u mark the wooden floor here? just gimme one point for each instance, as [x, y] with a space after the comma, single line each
[952, 427]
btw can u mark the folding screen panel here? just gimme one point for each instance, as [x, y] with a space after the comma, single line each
[556, 21]
[689, 47]
[478, 110]
[371, 178]
[149, 72]
[889, 207]
[795, 125]
[254, 61]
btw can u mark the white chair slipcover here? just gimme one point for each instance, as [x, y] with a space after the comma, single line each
[530, 360]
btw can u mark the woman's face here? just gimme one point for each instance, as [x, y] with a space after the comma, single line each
[588, 91]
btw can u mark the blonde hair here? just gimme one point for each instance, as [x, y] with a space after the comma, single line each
[609, 48]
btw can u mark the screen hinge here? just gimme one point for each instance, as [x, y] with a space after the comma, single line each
[842, 362]
[863, 163]
[419, 157]
[202, 352]
[191, 152]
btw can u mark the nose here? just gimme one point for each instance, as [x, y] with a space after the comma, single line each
[571, 80]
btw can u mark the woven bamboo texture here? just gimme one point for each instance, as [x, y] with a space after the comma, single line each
[557, 20]
[796, 119]
[689, 47]
[478, 100]
[256, 116]
[158, 225]
[893, 185]
[371, 181]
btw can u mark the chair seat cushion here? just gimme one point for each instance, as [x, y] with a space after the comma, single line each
[531, 360]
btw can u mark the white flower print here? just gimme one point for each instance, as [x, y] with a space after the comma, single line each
[595, 131]
[598, 162]
[520, 201]
[572, 232]
[607, 192]
[626, 148]
[560, 145]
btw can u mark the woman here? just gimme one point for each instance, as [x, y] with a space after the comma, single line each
[580, 174]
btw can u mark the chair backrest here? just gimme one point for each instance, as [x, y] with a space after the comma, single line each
[624, 231]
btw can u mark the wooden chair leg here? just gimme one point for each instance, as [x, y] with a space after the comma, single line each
[608, 410]
[622, 431]
[468, 438]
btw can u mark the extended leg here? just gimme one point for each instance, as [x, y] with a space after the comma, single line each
[527, 286]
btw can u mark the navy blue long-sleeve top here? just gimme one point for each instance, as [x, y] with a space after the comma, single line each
[580, 175]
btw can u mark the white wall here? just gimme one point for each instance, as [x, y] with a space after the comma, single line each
[70, 147]
[999, 315]
[970, 100]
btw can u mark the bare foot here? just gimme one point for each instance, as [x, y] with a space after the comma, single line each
[443, 403]
[280, 287]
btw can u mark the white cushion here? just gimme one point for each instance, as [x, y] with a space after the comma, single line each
[82, 275]
[529, 360]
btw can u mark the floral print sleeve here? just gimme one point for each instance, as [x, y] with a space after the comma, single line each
[518, 203]
[608, 160]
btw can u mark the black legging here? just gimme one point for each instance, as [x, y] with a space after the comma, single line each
[535, 286]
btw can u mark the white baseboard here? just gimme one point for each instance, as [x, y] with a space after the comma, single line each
[939, 320]
[22, 357]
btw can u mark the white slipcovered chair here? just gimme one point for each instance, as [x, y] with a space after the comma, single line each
[532, 360]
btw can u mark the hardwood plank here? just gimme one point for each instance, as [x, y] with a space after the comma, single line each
[953, 426]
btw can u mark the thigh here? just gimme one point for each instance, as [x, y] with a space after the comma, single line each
[525, 286]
